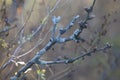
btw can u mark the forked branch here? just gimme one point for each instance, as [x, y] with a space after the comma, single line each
[59, 39]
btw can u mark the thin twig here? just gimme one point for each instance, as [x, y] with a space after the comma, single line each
[28, 17]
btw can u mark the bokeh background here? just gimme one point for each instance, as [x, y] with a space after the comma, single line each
[102, 29]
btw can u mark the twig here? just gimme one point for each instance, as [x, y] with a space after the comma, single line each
[41, 62]
[27, 18]
[39, 29]
[7, 28]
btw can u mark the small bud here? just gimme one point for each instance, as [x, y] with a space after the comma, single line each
[87, 10]
[43, 71]
[51, 39]
[21, 62]
[62, 31]
[77, 16]
[71, 24]
[91, 17]
[56, 19]
[108, 45]
[83, 25]
[29, 69]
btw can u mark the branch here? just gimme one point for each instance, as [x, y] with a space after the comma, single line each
[32, 35]
[71, 60]
[6, 28]
[58, 39]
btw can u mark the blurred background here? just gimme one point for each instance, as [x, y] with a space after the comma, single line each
[20, 19]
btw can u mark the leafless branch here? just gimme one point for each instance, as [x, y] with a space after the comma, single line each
[59, 39]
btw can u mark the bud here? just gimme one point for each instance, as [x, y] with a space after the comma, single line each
[91, 17]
